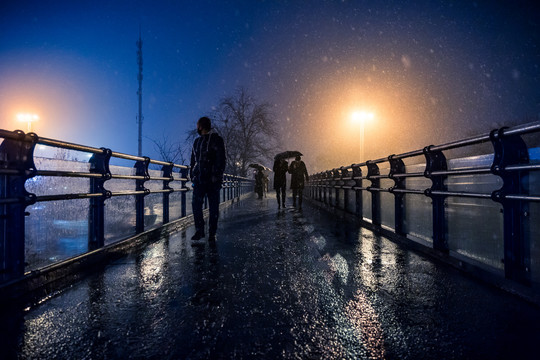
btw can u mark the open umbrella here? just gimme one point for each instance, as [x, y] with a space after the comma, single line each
[288, 154]
[259, 166]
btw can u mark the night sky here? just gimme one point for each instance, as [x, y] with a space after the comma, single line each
[430, 71]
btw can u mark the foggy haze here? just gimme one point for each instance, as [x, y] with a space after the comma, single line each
[430, 71]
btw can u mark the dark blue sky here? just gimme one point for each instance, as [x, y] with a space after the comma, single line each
[431, 71]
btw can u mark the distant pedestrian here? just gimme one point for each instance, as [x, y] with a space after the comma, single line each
[298, 174]
[206, 172]
[259, 183]
[280, 179]
[265, 183]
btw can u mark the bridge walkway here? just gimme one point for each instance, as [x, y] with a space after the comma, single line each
[277, 284]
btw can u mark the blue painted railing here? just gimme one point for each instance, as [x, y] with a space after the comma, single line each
[461, 200]
[54, 209]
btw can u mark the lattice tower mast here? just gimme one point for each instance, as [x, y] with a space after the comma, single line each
[139, 92]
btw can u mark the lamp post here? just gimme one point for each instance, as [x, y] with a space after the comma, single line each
[28, 118]
[360, 117]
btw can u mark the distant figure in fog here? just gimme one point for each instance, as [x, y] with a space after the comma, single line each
[206, 173]
[265, 182]
[259, 183]
[298, 174]
[281, 166]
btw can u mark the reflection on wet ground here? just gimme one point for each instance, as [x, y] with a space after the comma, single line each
[277, 284]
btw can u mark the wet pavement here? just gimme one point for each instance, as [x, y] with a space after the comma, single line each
[278, 284]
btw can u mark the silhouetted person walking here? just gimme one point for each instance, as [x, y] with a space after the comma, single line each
[206, 172]
[298, 174]
[259, 183]
[280, 180]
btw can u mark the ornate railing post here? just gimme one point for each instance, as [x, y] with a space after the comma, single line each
[99, 164]
[227, 183]
[184, 171]
[398, 167]
[230, 189]
[322, 184]
[436, 161]
[317, 186]
[335, 182]
[357, 177]
[320, 190]
[141, 167]
[16, 166]
[167, 172]
[372, 176]
[223, 190]
[512, 150]
[327, 192]
[344, 174]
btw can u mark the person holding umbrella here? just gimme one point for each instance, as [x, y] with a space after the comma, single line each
[259, 182]
[298, 172]
[280, 179]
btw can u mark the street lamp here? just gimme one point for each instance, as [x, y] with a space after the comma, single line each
[361, 117]
[28, 118]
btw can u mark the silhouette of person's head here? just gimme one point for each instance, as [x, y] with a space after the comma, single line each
[204, 125]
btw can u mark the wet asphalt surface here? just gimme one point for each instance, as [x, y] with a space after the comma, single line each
[278, 284]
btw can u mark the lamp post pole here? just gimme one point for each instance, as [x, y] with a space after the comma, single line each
[361, 117]
[28, 119]
[362, 122]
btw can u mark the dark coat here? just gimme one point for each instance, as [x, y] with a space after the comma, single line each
[280, 173]
[259, 182]
[207, 159]
[298, 174]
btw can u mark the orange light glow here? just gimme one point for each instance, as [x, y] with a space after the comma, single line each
[27, 118]
[362, 116]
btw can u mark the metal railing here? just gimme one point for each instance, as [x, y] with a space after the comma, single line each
[17, 166]
[504, 184]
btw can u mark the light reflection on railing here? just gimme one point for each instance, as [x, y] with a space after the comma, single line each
[45, 203]
[475, 209]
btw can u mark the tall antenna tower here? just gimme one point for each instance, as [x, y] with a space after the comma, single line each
[139, 92]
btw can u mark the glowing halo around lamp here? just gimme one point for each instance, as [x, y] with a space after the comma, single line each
[362, 116]
[27, 118]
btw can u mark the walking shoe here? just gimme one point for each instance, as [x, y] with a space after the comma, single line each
[198, 235]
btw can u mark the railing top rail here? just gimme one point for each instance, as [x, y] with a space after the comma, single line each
[12, 135]
[127, 156]
[16, 135]
[238, 177]
[460, 143]
[515, 130]
[522, 129]
[409, 154]
[69, 146]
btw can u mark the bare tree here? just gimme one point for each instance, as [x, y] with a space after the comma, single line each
[171, 151]
[248, 129]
